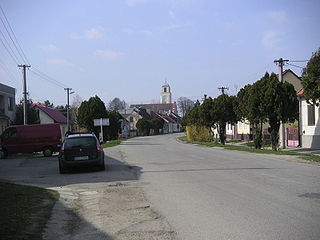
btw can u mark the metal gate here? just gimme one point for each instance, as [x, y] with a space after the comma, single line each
[292, 137]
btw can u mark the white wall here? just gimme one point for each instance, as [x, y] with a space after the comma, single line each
[310, 134]
[44, 118]
[243, 127]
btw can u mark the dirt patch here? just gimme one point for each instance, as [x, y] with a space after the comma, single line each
[106, 211]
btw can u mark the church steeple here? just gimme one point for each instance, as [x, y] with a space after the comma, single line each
[165, 93]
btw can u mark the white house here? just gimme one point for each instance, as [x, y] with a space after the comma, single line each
[50, 115]
[309, 123]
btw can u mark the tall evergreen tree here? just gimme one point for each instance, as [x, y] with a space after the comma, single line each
[311, 79]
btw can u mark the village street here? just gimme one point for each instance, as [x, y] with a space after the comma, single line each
[159, 188]
[207, 193]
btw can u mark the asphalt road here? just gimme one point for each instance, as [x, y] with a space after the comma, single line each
[208, 193]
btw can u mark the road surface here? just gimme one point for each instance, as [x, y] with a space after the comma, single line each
[210, 193]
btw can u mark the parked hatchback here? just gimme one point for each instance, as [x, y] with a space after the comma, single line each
[81, 150]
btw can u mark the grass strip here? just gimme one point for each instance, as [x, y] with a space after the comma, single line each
[309, 157]
[24, 210]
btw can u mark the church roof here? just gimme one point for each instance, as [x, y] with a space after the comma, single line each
[159, 107]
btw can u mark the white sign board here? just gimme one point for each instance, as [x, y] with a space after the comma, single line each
[101, 122]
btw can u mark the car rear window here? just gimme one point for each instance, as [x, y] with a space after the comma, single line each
[82, 142]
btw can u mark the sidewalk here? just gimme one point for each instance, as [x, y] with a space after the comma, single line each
[315, 151]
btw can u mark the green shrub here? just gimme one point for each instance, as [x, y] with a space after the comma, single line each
[199, 133]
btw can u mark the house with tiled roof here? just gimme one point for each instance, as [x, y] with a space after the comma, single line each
[132, 116]
[50, 115]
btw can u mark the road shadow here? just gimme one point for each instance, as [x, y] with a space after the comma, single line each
[44, 172]
[65, 223]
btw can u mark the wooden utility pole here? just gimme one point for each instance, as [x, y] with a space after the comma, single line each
[282, 133]
[25, 121]
[68, 96]
[222, 89]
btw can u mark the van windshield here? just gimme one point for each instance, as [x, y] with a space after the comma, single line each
[82, 142]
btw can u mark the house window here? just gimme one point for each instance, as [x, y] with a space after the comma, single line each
[165, 90]
[311, 115]
[131, 119]
[10, 103]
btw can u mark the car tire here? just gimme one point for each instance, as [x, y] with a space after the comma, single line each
[47, 152]
[102, 167]
[62, 169]
[3, 154]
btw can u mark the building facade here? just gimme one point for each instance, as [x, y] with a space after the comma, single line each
[7, 106]
[309, 120]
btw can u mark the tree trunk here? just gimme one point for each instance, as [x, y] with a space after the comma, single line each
[258, 135]
[274, 126]
[222, 133]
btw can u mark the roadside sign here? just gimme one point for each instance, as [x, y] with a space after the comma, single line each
[101, 121]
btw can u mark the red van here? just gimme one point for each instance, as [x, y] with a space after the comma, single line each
[30, 138]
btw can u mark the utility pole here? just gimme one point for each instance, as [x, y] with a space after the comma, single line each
[282, 133]
[222, 89]
[25, 122]
[68, 119]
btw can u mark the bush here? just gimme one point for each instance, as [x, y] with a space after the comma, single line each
[199, 133]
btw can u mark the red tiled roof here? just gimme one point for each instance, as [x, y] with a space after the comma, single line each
[300, 92]
[160, 107]
[57, 116]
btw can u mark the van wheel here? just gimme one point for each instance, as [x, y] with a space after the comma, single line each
[3, 154]
[47, 152]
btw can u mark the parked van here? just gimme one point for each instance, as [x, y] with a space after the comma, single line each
[44, 138]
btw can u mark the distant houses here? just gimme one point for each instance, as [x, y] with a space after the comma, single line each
[166, 110]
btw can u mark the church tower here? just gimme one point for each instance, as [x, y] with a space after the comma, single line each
[165, 93]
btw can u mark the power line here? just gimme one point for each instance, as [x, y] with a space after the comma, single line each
[47, 78]
[23, 56]
[298, 60]
[9, 73]
[11, 38]
[51, 78]
[294, 65]
[12, 54]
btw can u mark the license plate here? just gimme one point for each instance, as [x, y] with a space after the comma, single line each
[81, 158]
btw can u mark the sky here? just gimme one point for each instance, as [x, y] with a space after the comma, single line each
[129, 48]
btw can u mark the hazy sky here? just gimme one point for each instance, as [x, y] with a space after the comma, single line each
[127, 48]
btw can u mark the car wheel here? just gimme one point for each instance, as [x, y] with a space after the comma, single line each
[61, 169]
[47, 152]
[102, 167]
[3, 154]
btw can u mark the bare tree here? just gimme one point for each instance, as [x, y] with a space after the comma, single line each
[185, 105]
[116, 104]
